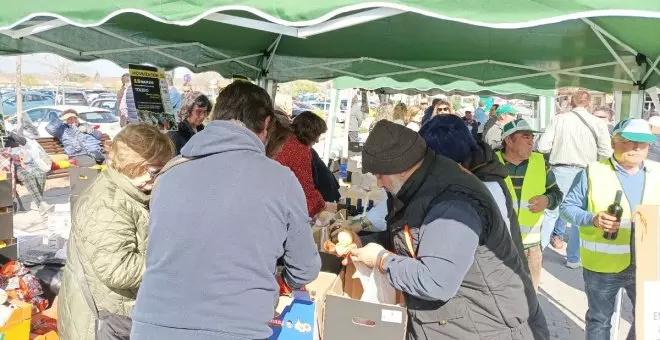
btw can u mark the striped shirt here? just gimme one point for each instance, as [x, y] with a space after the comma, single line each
[570, 142]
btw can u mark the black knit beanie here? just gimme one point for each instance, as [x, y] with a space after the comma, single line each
[391, 149]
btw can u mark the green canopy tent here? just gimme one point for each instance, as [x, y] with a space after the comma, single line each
[603, 45]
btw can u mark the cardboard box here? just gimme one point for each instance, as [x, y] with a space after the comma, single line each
[18, 325]
[6, 193]
[647, 257]
[348, 318]
[6, 223]
[10, 251]
[81, 178]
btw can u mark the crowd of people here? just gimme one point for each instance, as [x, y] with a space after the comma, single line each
[469, 204]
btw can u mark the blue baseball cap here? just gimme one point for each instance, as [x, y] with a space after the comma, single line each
[634, 130]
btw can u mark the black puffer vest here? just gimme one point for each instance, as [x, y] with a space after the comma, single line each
[496, 299]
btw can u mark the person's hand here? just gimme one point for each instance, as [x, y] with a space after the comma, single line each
[538, 203]
[606, 222]
[83, 128]
[330, 207]
[353, 226]
[367, 254]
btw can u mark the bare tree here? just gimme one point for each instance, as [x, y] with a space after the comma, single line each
[60, 69]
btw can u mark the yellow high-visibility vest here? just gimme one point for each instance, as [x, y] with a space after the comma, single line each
[612, 256]
[533, 185]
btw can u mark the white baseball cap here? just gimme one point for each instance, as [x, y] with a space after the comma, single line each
[634, 130]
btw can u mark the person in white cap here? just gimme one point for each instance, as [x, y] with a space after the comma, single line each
[81, 141]
[607, 245]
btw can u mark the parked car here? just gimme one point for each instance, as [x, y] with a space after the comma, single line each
[39, 117]
[300, 107]
[108, 103]
[90, 95]
[72, 98]
[30, 99]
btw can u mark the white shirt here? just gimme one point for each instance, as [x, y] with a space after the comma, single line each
[570, 142]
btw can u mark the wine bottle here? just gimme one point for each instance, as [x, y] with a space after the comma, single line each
[616, 210]
[359, 208]
[370, 205]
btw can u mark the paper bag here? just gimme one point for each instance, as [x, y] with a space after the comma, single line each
[375, 285]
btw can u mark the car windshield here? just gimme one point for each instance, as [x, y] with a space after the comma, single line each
[98, 117]
[107, 104]
[75, 96]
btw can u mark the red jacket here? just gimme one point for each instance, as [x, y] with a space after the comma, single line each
[297, 157]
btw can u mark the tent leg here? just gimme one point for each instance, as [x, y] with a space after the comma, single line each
[331, 120]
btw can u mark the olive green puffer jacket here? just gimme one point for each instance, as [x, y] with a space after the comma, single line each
[109, 233]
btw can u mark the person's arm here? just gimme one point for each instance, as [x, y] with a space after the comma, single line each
[494, 138]
[447, 244]
[302, 262]
[552, 190]
[112, 247]
[547, 139]
[604, 141]
[56, 128]
[574, 207]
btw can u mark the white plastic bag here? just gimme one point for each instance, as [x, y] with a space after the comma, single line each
[38, 155]
[375, 285]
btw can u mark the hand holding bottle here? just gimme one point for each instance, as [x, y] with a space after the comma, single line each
[606, 222]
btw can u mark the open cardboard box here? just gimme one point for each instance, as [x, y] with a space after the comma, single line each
[345, 317]
[647, 258]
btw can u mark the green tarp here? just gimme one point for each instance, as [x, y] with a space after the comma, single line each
[422, 86]
[485, 42]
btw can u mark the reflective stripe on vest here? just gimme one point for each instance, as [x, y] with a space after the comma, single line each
[612, 256]
[533, 185]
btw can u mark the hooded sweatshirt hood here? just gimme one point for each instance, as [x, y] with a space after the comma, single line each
[222, 136]
[483, 163]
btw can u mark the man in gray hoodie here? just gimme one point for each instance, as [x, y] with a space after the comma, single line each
[219, 222]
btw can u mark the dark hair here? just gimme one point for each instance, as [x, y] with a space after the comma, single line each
[308, 127]
[435, 101]
[202, 101]
[278, 133]
[447, 135]
[245, 102]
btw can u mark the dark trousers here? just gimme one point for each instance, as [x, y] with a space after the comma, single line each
[601, 292]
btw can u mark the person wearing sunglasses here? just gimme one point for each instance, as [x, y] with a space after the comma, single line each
[442, 108]
[108, 240]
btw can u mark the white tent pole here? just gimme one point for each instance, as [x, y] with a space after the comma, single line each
[38, 28]
[561, 71]
[348, 21]
[227, 56]
[613, 53]
[412, 69]
[651, 69]
[330, 63]
[349, 105]
[272, 49]
[253, 24]
[223, 61]
[137, 48]
[610, 36]
[130, 41]
[331, 120]
[618, 97]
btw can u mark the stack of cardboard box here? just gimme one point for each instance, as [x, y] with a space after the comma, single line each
[8, 246]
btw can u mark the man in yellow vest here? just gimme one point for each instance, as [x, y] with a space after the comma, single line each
[532, 186]
[609, 263]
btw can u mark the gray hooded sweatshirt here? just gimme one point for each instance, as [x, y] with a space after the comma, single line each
[218, 225]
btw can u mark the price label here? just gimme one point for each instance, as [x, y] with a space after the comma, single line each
[393, 316]
[651, 310]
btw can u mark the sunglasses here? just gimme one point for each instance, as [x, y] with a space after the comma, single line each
[442, 109]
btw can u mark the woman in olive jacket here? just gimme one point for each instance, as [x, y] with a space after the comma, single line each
[106, 248]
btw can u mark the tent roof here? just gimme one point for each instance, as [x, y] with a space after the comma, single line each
[542, 44]
[460, 87]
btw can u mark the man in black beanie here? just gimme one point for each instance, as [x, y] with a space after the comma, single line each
[446, 247]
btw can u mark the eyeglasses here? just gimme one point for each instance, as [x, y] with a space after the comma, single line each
[602, 117]
[153, 172]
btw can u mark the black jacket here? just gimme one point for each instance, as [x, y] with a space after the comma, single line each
[324, 181]
[181, 136]
[484, 164]
[496, 299]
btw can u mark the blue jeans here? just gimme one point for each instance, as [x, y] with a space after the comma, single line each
[565, 177]
[601, 292]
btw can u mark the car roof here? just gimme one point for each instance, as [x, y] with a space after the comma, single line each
[77, 108]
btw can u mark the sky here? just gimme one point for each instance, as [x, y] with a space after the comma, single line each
[40, 64]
